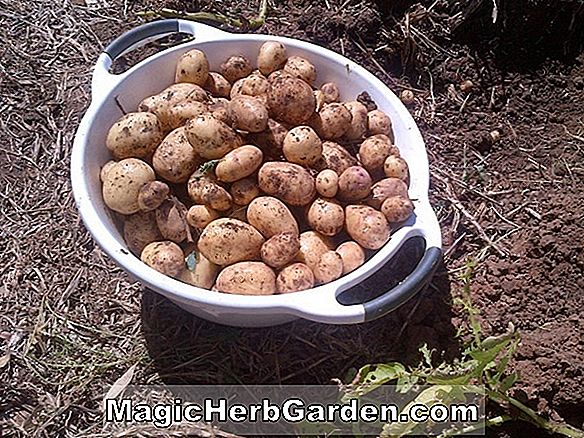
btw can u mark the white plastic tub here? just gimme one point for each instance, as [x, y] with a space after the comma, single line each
[157, 72]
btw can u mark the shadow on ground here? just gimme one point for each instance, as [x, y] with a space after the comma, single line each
[188, 350]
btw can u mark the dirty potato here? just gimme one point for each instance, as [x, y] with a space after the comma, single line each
[326, 216]
[386, 188]
[152, 194]
[367, 226]
[352, 255]
[239, 163]
[203, 275]
[192, 67]
[354, 184]
[211, 138]
[244, 191]
[248, 113]
[312, 246]
[327, 183]
[294, 278]
[199, 216]
[301, 68]
[140, 229]
[203, 189]
[182, 112]
[396, 167]
[332, 121]
[175, 159]
[271, 140]
[374, 150]
[171, 218]
[134, 135]
[217, 85]
[328, 268]
[270, 216]
[235, 67]
[287, 181]
[271, 57]
[290, 100]
[280, 249]
[302, 146]
[358, 126]
[123, 183]
[378, 123]
[247, 278]
[336, 157]
[330, 92]
[397, 208]
[166, 257]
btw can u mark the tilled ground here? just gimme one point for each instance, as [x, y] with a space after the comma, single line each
[71, 323]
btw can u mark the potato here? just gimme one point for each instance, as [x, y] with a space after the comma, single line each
[182, 112]
[271, 216]
[327, 183]
[301, 68]
[312, 246]
[278, 75]
[332, 121]
[280, 249]
[302, 146]
[236, 67]
[386, 188]
[326, 216]
[166, 257]
[247, 278]
[271, 57]
[294, 278]
[105, 169]
[239, 163]
[192, 67]
[253, 85]
[134, 135]
[328, 268]
[226, 241]
[175, 159]
[123, 183]
[367, 226]
[152, 194]
[330, 92]
[352, 255]
[140, 229]
[171, 218]
[378, 123]
[218, 109]
[320, 103]
[290, 100]
[202, 189]
[244, 191]
[248, 113]
[199, 216]
[271, 139]
[354, 184]
[336, 157]
[211, 138]
[374, 150]
[358, 126]
[397, 208]
[217, 85]
[287, 181]
[203, 275]
[396, 167]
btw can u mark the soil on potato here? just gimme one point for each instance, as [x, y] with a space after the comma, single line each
[516, 205]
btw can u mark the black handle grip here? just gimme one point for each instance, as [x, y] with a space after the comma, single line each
[142, 32]
[407, 289]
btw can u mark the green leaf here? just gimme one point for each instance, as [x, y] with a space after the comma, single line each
[508, 382]
[373, 376]
[406, 383]
[191, 261]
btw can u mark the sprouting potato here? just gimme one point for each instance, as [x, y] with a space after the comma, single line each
[397, 208]
[199, 216]
[354, 184]
[248, 113]
[247, 278]
[171, 218]
[396, 167]
[203, 189]
[358, 126]
[288, 182]
[211, 138]
[301, 68]
[192, 67]
[336, 157]
[312, 246]
[330, 92]
[166, 257]
[175, 159]
[280, 249]
[152, 194]
[352, 255]
[217, 85]
[239, 163]
[140, 229]
[290, 100]
[328, 268]
[378, 123]
[302, 146]
[367, 226]
[294, 278]
[182, 112]
[270, 216]
[327, 183]
[123, 183]
[272, 56]
[332, 121]
[387, 188]
[374, 150]
[226, 241]
[135, 135]
[326, 216]
[244, 191]
[236, 67]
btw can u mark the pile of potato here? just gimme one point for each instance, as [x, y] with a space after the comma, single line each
[254, 181]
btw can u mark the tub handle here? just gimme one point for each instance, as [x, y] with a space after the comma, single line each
[103, 80]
